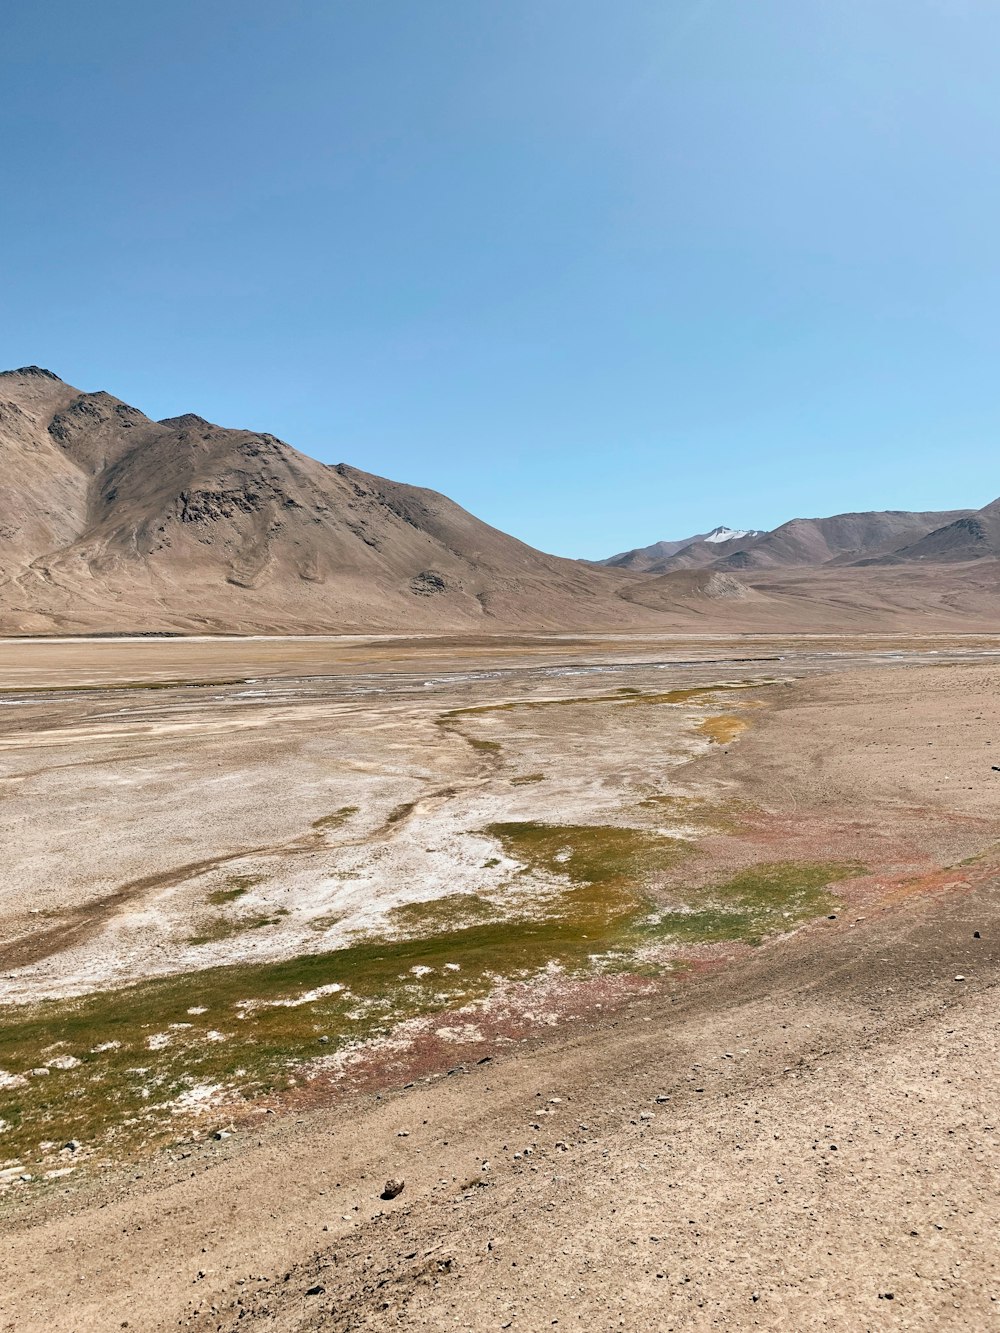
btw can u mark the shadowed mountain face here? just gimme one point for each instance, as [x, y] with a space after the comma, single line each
[970, 537]
[109, 520]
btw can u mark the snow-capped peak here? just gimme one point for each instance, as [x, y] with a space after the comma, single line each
[724, 534]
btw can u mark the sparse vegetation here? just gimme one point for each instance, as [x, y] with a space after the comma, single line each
[590, 854]
[235, 887]
[722, 729]
[97, 687]
[224, 927]
[401, 812]
[244, 1029]
[327, 823]
[625, 695]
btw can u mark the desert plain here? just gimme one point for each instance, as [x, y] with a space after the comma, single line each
[658, 969]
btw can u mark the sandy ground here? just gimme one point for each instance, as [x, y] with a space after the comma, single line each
[825, 1156]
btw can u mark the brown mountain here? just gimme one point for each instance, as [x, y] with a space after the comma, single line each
[111, 521]
[804, 543]
[972, 536]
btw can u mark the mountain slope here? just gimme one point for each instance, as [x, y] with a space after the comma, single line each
[117, 522]
[972, 536]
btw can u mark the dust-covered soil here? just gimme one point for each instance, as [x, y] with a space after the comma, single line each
[714, 1047]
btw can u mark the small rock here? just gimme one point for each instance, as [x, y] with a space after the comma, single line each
[976, 935]
[392, 1188]
[663, 1097]
[318, 1290]
[221, 1134]
[73, 1145]
[324, 1041]
[960, 977]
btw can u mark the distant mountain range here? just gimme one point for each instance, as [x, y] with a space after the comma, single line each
[111, 522]
[882, 537]
[655, 557]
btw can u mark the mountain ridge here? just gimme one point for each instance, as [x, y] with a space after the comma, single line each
[854, 537]
[114, 518]
[112, 522]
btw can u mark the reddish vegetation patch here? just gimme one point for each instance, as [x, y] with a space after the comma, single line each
[517, 1013]
[889, 852]
[898, 869]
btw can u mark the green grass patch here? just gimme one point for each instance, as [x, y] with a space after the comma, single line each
[225, 927]
[439, 915]
[235, 887]
[761, 901]
[136, 1052]
[590, 854]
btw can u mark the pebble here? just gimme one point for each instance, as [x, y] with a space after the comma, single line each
[960, 977]
[392, 1188]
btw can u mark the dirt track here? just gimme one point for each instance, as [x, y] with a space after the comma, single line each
[826, 1158]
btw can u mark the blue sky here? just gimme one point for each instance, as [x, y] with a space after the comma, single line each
[602, 272]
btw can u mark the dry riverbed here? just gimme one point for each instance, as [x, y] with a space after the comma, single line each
[246, 888]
